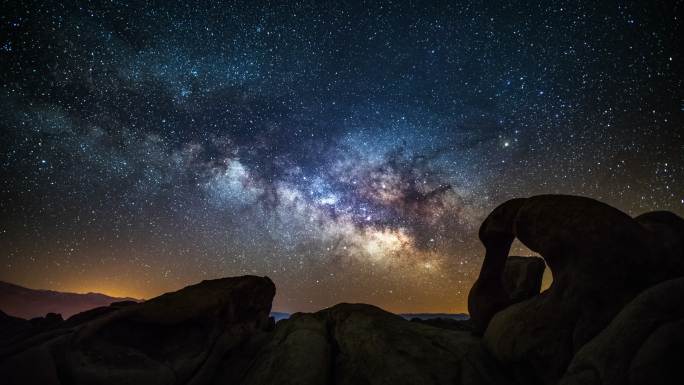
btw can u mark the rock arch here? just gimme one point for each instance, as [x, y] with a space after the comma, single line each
[597, 255]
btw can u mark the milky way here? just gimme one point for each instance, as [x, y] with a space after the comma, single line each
[349, 151]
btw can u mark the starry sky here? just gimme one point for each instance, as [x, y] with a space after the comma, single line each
[348, 150]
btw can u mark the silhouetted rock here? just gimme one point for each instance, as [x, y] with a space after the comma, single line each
[300, 352]
[49, 321]
[505, 281]
[644, 344]
[362, 344]
[488, 294]
[220, 332]
[14, 330]
[522, 277]
[173, 338]
[89, 315]
[121, 304]
[613, 313]
[666, 231]
[10, 327]
[511, 280]
[600, 259]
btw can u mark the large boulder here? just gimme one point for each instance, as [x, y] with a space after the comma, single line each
[219, 332]
[179, 337]
[376, 347]
[598, 256]
[15, 333]
[511, 280]
[644, 344]
[666, 233]
[522, 277]
[11, 326]
[299, 353]
[362, 344]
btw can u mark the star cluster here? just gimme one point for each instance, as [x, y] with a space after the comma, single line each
[347, 150]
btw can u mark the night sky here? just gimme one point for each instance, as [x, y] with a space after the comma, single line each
[347, 150]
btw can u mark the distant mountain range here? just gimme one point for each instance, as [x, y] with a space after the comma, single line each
[28, 303]
[429, 316]
[22, 302]
[409, 316]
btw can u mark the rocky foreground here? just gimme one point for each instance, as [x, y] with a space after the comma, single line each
[613, 315]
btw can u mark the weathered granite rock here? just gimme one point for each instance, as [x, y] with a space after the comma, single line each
[488, 295]
[666, 231]
[179, 337]
[376, 347]
[362, 344]
[300, 352]
[522, 277]
[513, 280]
[644, 344]
[10, 327]
[613, 312]
[97, 312]
[220, 332]
[600, 259]
[51, 320]
[14, 331]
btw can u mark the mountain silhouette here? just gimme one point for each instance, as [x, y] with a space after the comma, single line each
[22, 302]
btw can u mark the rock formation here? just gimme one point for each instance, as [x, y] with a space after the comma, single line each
[644, 344]
[600, 259]
[174, 338]
[522, 277]
[362, 344]
[613, 315]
